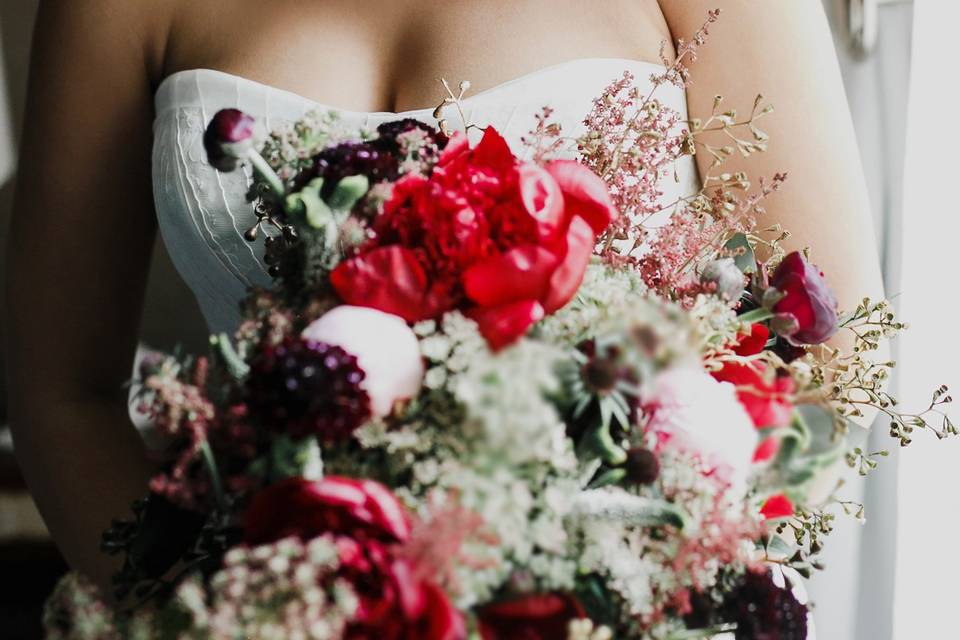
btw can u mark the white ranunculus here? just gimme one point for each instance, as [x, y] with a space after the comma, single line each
[385, 347]
[692, 410]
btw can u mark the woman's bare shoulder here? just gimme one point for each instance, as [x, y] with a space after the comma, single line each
[140, 26]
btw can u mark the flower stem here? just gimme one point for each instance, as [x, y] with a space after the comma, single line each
[756, 315]
[263, 169]
[211, 463]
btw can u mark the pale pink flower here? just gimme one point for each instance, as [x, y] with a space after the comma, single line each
[692, 411]
[385, 347]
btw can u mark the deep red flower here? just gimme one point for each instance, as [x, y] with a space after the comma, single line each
[366, 521]
[534, 617]
[778, 506]
[807, 312]
[228, 137]
[502, 240]
[767, 449]
[766, 400]
[359, 509]
[754, 343]
[393, 603]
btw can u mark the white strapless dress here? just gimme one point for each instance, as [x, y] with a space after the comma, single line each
[202, 213]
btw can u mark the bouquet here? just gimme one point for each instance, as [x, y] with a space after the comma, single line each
[484, 400]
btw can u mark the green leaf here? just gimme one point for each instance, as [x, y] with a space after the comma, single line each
[778, 548]
[600, 442]
[609, 477]
[592, 593]
[348, 191]
[808, 445]
[742, 253]
[295, 458]
[319, 215]
[824, 448]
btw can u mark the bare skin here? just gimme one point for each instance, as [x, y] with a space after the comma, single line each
[84, 220]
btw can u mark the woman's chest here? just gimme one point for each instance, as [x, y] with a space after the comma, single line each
[390, 55]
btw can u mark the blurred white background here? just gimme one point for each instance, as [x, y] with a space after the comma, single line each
[894, 577]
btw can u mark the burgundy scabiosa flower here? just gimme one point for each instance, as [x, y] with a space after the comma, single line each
[388, 132]
[229, 138]
[764, 611]
[351, 159]
[807, 311]
[302, 387]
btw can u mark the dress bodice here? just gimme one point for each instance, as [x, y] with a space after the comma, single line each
[202, 213]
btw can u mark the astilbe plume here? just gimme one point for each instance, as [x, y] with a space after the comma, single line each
[632, 142]
[437, 547]
[266, 321]
[696, 231]
[677, 71]
[182, 413]
[722, 540]
[545, 140]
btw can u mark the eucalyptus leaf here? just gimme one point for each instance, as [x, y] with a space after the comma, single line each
[824, 446]
[778, 548]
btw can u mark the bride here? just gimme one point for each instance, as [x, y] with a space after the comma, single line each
[115, 81]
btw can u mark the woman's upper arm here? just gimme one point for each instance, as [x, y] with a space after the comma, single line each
[784, 50]
[83, 222]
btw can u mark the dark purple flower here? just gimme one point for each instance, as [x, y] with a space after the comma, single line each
[642, 466]
[228, 138]
[807, 311]
[301, 387]
[350, 159]
[762, 610]
[388, 131]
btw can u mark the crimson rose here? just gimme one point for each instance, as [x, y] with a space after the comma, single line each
[503, 240]
[534, 617]
[807, 312]
[366, 521]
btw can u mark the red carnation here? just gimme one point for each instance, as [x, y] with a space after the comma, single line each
[504, 241]
[807, 312]
[533, 617]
